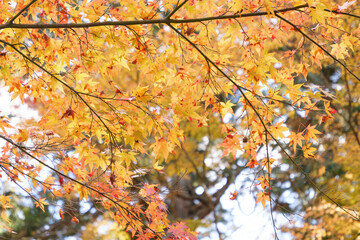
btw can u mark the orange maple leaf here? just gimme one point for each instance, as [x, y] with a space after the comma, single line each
[75, 220]
[61, 214]
[263, 197]
[296, 139]
[233, 195]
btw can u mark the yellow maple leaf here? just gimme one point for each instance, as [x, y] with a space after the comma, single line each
[308, 151]
[5, 202]
[226, 108]
[40, 203]
[311, 133]
[22, 136]
[339, 50]
[278, 130]
[238, 6]
[318, 14]
[161, 148]
[157, 167]
[141, 93]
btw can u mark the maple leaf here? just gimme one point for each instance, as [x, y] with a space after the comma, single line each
[4, 123]
[318, 14]
[5, 202]
[158, 168]
[233, 195]
[181, 231]
[68, 187]
[161, 148]
[142, 94]
[296, 139]
[311, 133]
[268, 6]
[226, 108]
[75, 220]
[252, 163]
[149, 190]
[23, 135]
[203, 121]
[262, 182]
[308, 151]
[332, 111]
[231, 145]
[267, 163]
[40, 203]
[263, 197]
[339, 50]
[238, 6]
[68, 113]
[277, 130]
[325, 118]
[61, 180]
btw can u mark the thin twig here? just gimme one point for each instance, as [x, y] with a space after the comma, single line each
[269, 181]
[21, 187]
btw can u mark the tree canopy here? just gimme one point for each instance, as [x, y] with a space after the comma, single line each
[148, 111]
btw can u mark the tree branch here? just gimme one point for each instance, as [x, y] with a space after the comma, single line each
[10, 22]
[342, 13]
[312, 183]
[17, 184]
[141, 22]
[22, 149]
[318, 45]
[166, 20]
[176, 9]
[113, 138]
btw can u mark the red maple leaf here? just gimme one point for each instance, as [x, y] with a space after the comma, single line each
[69, 112]
[252, 163]
[332, 111]
[61, 180]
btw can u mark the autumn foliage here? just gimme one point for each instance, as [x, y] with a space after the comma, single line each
[127, 90]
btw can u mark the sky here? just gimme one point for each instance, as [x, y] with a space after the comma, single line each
[251, 220]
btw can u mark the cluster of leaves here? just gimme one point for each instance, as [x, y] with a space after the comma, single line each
[126, 91]
[337, 167]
